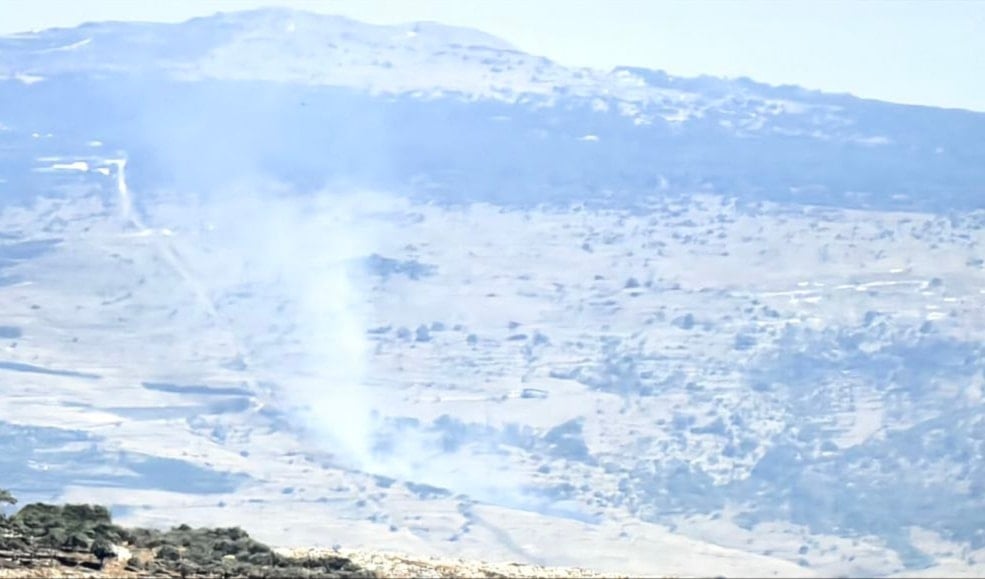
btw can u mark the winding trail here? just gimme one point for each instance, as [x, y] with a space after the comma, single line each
[131, 218]
[171, 255]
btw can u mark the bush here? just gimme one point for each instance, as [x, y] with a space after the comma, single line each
[183, 550]
[102, 549]
[168, 553]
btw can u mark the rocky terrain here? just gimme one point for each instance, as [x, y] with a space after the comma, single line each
[407, 289]
[81, 541]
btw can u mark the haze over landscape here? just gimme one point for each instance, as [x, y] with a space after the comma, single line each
[407, 287]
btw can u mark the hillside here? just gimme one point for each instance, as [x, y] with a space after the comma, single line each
[81, 541]
[463, 116]
[409, 289]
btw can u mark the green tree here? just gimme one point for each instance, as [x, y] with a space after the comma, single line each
[103, 550]
[7, 498]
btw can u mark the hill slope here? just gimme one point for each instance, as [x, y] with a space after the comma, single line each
[409, 288]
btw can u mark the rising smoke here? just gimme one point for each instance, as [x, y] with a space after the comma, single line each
[284, 266]
[297, 262]
[296, 259]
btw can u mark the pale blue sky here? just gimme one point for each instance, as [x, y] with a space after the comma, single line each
[926, 52]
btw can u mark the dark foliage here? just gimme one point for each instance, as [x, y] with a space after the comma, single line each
[84, 535]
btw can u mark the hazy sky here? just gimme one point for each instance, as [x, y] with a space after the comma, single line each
[928, 52]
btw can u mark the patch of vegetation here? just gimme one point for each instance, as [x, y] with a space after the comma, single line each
[386, 267]
[84, 535]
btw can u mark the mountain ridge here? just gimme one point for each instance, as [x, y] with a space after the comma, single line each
[654, 130]
[332, 26]
[329, 26]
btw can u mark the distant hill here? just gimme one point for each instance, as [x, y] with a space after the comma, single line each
[466, 114]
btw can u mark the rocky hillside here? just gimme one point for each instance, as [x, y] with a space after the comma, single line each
[47, 540]
[43, 540]
[408, 288]
[463, 116]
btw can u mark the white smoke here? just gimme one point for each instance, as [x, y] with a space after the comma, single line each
[296, 255]
[299, 257]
